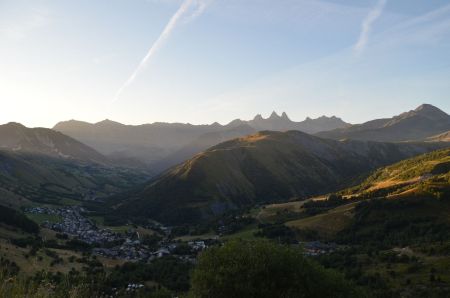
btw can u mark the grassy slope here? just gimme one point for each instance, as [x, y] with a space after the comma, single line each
[402, 180]
[25, 177]
[328, 224]
[266, 167]
[407, 178]
[415, 223]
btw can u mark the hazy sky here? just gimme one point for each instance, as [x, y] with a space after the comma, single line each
[200, 61]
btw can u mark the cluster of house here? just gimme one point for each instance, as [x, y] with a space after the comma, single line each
[42, 210]
[133, 250]
[317, 248]
[128, 250]
[73, 223]
[133, 287]
[199, 245]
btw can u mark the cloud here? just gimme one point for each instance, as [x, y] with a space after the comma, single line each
[189, 9]
[366, 26]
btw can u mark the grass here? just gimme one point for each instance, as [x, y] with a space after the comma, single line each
[32, 264]
[41, 218]
[206, 236]
[69, 202]
[275, 212]
[420, 276]
[245, 234]
[326, 224]
[100, 222]
[407, 172]
[119, 229]
[20, 286]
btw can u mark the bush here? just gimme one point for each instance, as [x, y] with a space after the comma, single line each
[263, 269]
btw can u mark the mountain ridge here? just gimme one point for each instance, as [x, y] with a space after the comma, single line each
[157, 144]
[415, 125]
[17, 137]
[264, 167]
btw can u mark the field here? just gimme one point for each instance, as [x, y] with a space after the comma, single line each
[275, 212]
[327, 224]
[247, 234]
[41, 218]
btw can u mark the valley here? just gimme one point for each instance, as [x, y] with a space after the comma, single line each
[375, 211]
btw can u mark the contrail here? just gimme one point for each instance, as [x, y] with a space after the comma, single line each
[366, 25]
[198, 5]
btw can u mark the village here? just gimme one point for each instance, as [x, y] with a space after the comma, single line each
[130, 245]
[107, 243]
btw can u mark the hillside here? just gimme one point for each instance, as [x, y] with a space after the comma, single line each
[417, 125]
[264, 167]
[18, 138]
[162, 145]
[413, 190]
[26, 177]
[201, 143]
[427, 174]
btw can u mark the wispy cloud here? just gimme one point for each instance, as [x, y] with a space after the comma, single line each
[189, 9]
[366, 26]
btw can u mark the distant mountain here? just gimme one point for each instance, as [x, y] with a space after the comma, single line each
[148, 142]
[419, 124]
[264, 167]
[18, 138]
[26, 177]
[283, 123]
[203, 142]
[161, 145]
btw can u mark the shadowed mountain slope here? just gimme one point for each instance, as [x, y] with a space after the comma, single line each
[41, 178]
[264, 167]
[18, 138]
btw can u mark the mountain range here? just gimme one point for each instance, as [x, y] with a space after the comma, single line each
[162, 145]
[44, 141]
[416, 125]
[261, 168]
[43, 165]
[206, 169]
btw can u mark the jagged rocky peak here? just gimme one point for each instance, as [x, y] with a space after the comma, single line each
[258, 117]
[274, 115]
[285, 116]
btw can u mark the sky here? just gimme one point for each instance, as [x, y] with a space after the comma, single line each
[202, 61]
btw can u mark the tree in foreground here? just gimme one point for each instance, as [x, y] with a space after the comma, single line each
[264, 269]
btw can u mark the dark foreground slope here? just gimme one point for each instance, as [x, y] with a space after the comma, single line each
[265, 167]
